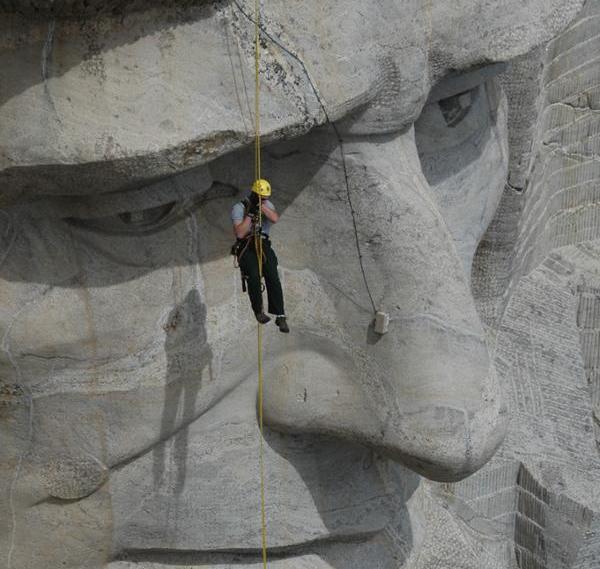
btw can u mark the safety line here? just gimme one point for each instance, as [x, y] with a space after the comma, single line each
[259, 253]
[257, 157]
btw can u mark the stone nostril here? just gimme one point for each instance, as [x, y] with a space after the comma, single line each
[73, 477]
[455, 448]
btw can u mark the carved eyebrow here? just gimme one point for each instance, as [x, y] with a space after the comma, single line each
[188, 185]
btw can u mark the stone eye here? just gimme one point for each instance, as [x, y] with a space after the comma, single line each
[134, 221]
[455, 108]
[147, 217]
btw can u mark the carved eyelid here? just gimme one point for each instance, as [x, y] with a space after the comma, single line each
[135, 221]
[181, 188]
[156, 217]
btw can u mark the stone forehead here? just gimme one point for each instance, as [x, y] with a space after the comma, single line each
[111, 102]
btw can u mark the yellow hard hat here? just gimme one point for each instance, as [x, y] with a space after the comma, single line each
[262, 188]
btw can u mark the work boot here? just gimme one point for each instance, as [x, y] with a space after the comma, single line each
[281, 322]
[262, 317]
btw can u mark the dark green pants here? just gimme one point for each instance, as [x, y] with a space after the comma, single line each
[249, 267]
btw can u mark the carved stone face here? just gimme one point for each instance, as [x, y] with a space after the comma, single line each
[128, 365]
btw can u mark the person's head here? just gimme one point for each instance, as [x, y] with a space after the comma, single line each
[261, 188]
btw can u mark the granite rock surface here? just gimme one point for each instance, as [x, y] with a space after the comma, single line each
[437, 161]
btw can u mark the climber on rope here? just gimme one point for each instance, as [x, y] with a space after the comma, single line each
[245, 217]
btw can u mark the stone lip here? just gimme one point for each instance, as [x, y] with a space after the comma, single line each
[243, 555]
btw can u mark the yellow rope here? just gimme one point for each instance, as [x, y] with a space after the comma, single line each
[259, 254]
[257, 89]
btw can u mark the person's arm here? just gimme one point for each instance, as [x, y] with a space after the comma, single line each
[242, 228]
[242, 223]
[269, 212]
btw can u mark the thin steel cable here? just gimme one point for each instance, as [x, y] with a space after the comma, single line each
[338, 136]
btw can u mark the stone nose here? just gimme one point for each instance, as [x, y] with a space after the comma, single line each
[426, 392]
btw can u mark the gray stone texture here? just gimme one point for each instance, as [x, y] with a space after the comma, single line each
[437, 161]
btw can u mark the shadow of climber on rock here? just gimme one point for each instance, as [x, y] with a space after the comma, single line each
[189, 363]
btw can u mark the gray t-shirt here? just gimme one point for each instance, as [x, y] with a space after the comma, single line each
[237, 216]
